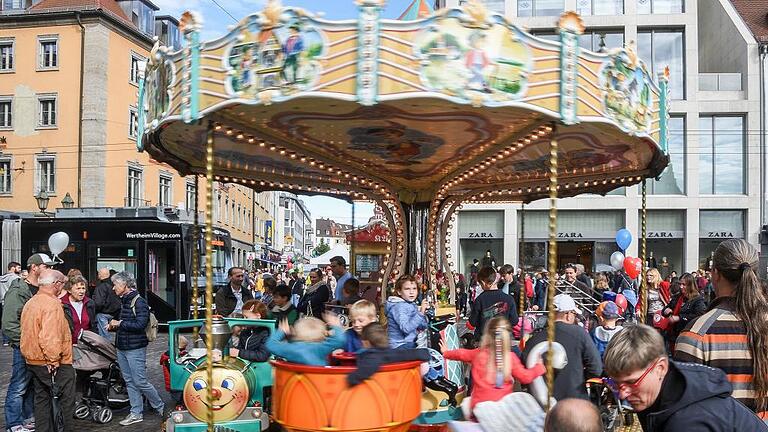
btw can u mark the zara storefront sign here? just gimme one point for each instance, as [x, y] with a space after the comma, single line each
[720, 234]
[486, 235]
[665, 234]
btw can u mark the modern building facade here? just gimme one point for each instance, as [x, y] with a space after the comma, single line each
[712, 188]
[69, 72]
[293, 221]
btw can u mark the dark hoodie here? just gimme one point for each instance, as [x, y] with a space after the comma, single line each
[253, 344]
[698, 398]
[369, 361]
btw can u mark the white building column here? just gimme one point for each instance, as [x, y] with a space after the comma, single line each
[632, 223]
[511, 253]
[691, 251]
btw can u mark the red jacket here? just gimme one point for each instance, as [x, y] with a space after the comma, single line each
[87, 319]
[484, 390]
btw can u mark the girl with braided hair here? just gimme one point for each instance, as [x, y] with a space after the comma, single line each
[494, 367]
[733, 335]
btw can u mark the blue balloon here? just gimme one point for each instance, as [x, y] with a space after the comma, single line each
[623, 238]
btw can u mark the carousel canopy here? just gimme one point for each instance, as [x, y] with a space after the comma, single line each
[460, 105]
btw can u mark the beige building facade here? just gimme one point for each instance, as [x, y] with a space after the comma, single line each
[69, 72]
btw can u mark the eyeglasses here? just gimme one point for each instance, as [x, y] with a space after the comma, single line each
[629, 388]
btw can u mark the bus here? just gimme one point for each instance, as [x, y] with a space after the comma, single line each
[157, 251]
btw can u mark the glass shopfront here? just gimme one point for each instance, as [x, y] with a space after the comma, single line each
[716, 226]
[666, 241]
[584, 237]
[480, 232]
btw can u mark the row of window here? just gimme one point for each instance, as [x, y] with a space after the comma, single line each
[532, 8]
[45, 173]
[47, 53]
[231, 213]
[48, 56]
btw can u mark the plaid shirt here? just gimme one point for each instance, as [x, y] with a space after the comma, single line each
[719, 339]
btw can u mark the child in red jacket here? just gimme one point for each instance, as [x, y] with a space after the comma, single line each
[494, 366]
[165, 362]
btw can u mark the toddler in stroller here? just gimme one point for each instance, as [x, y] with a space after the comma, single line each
[95, 361]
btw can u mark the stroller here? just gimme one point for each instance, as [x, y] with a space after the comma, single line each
[96, 358]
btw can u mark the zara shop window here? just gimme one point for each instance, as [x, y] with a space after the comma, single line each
[661, 48]
[722, 145]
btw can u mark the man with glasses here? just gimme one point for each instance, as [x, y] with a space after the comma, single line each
[583, 358]
[46, 344]
[19, 399]
[671, 396]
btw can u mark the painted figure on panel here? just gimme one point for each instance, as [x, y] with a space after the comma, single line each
[627, 90]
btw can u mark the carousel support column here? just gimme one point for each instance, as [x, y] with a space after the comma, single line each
[194, 303]
[209, 271]
[368, 41]
[643, 244]
[520, 261]
[415, 225]
[552, 255]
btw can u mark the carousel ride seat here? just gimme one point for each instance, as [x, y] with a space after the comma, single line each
[314, 398]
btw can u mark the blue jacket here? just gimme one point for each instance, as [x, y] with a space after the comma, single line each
[403, 322]
[353, 343]
[308, 353]
[704, 404]
[132, 332]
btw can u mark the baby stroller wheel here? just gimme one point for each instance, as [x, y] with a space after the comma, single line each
[102, 415]
[82, 411]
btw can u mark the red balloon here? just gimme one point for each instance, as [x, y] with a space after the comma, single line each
[621, 302]
[633, 266]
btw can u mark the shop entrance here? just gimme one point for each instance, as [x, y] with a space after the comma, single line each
[575, 253]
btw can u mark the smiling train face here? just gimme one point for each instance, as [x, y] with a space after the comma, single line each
[230, 393]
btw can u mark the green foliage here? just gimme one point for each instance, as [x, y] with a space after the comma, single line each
[320, 249]
[314, 50]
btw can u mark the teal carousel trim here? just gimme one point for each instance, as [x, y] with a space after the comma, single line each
[368, 52]
[141, 115]
[571, 27]
[664, 111]
[190, 24]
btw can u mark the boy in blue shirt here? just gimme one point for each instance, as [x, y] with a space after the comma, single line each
[311, 342]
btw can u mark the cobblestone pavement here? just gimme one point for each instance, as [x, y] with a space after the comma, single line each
[151, 421]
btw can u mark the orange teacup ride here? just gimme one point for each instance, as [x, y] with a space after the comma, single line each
[318, 398]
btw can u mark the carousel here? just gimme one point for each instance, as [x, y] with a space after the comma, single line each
[418, 117]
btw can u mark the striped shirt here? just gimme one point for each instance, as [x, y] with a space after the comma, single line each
[719, 339]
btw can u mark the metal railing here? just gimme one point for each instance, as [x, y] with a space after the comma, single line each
[136, 202]
[720, 82]
[586, 300]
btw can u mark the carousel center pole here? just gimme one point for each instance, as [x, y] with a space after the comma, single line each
[209, 273]
[643, 242]
[552, 252]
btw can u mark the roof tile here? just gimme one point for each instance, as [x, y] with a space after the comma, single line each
[755, 15]
[110, 6]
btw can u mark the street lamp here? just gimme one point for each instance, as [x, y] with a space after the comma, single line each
[68, 202]
[42, 201]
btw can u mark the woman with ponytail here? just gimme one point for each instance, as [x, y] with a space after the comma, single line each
[494, 366]
[733, 335]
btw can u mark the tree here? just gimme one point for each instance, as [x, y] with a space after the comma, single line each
[320, 249]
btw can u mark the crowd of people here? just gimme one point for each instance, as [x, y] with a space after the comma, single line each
[702, 365]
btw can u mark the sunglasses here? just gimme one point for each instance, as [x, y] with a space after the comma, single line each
[629, 388]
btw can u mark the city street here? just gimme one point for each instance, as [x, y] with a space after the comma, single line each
[154, 371]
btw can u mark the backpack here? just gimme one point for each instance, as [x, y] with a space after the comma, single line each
[152, 324]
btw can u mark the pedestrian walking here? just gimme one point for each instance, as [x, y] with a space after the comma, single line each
[19, 399]
[669, 396]
[732, 335]
[131, 341]
[339, 270]
[107, 303]
[583, 358]
[46, 344]
[14, 269]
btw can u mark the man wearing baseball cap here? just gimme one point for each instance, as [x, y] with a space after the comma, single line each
[583, 359]
[19, 403]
